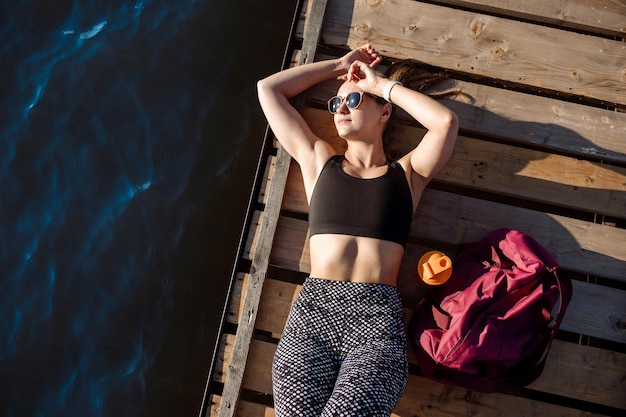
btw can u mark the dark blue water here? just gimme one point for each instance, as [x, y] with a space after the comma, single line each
[129, 134]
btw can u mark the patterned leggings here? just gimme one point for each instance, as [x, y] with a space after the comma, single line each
[343, 352]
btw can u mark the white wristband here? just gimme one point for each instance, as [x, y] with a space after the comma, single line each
[387, 90]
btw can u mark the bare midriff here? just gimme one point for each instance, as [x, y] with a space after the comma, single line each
[355, 259]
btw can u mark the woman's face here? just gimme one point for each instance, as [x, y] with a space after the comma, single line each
[355, 121]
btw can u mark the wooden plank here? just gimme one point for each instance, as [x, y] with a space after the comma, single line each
[276, 300]
[573, 128]
[257, 375]
[565, 127]
[509, 50]
[291, 249]
[597, 311]
[429, 399]
[254, 235]
[248, 409]
[244, 408]
[316, 10]
[537, 176]
[571, 372]
[260, 260]
[295, 196]
[584, 372]
[303, 21]
[276, 304]
[223, 358]
[577, 245]
[512, 171]
[605, 17]
[267, 179]
[235, 303]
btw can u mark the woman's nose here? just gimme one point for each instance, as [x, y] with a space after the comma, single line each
[343, 107]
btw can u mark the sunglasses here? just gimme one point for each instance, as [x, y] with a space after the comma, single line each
[353, 100]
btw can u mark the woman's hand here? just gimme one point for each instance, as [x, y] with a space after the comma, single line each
[364, 77]
[366, 54]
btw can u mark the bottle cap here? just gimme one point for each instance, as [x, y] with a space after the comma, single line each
[434, 268]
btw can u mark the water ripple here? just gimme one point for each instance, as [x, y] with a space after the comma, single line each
[93, 31]
[98, 140]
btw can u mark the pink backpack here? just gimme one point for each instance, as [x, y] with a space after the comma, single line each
[487, 328]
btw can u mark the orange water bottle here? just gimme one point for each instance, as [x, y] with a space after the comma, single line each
[434, 268]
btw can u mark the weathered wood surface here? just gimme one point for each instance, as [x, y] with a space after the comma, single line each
[538, 152]
[576, 363]
[248, 409]
[244, 408]
[605, 17]
[260, 262]
[602, 17]
[480, 44]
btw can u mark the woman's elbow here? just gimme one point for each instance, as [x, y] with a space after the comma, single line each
[268, 89]
[450, 121]
[264, 90]
[261, 86]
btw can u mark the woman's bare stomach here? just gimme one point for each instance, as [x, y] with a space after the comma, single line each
[355, 258]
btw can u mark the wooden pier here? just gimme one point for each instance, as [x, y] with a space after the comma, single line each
[542, 149]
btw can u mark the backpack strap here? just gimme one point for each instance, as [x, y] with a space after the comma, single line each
[565, 296]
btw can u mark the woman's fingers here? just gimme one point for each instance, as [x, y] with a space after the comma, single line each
[373, 55]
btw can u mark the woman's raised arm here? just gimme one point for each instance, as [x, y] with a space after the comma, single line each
[287, 124]
[436, 147]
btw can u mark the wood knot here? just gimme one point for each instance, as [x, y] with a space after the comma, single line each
[476, 28]
[363, 28]
[411, 28]
[556, 110]
[374, 3]
[618, 322]
[498, 52]
[576, 77]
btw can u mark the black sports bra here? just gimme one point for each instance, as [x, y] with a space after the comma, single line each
[380, 208]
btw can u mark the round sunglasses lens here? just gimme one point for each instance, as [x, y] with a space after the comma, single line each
[334, 104]
[353, 100]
